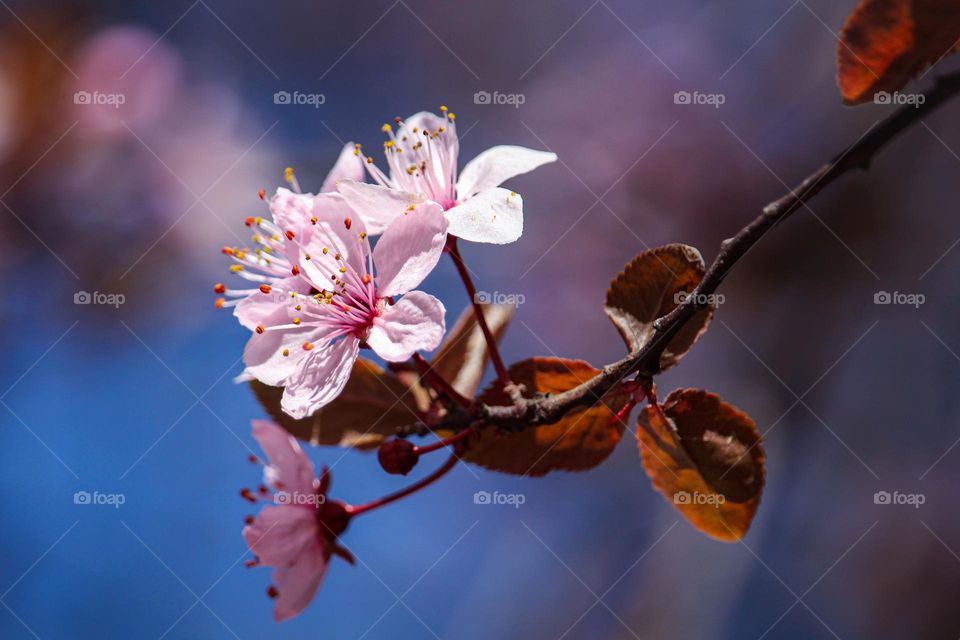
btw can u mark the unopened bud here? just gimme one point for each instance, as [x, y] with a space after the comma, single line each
[398, 456]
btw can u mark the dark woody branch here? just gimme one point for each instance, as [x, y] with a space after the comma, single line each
[644, 363]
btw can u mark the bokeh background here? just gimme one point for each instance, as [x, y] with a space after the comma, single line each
[136, 199]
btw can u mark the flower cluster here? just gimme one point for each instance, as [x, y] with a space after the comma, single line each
[335, 272]
[321, 289]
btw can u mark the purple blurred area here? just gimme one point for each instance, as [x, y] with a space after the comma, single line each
[135, 196]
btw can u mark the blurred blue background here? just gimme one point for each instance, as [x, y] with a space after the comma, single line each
[136, 199]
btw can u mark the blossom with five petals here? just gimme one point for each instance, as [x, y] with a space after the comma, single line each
[299, 533]
[422, 166]
[341, 295]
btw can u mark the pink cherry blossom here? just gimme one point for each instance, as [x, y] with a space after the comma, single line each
[274, 255]
[299, 534]
[422, 166]
[341, 295]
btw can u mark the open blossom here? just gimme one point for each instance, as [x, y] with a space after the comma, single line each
[299, 533]
[422, 166]
[339, 295]
[273, 257]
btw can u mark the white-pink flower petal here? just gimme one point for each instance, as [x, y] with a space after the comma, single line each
[494, 216]
[497, 164]
[298, 583]
[279, 535]
[349, 166]
[414, 323]
[259, 309]
[378, 206]
[320, 377]
[291, 210]
[273, 356]
[288, 469]
[409, 249]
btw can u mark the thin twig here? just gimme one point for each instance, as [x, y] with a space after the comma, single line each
[645, 362]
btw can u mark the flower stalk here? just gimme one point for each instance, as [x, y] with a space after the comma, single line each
[492, 346]
[403, 493]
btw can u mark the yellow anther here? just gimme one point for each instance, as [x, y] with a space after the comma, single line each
[286, 352]
[443, 108]
[326, 251]
[386, 128]
[236, 267]
[295, 321]
[288, 174]
[343, 269]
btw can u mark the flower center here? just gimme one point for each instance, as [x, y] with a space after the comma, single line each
[421, 160]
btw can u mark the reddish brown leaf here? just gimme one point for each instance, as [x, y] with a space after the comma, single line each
[580, 440]
[885, 43]
[706, 458]
[650, 287]
[372, 406]
[463, 356]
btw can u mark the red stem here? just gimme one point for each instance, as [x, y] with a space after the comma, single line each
[478, 311]
[439, 383]
[416, 486]
[440, 444]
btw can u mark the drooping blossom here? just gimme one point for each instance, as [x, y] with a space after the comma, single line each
[299, 533]
[341, 295]
[274, 254]
[422, 166]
